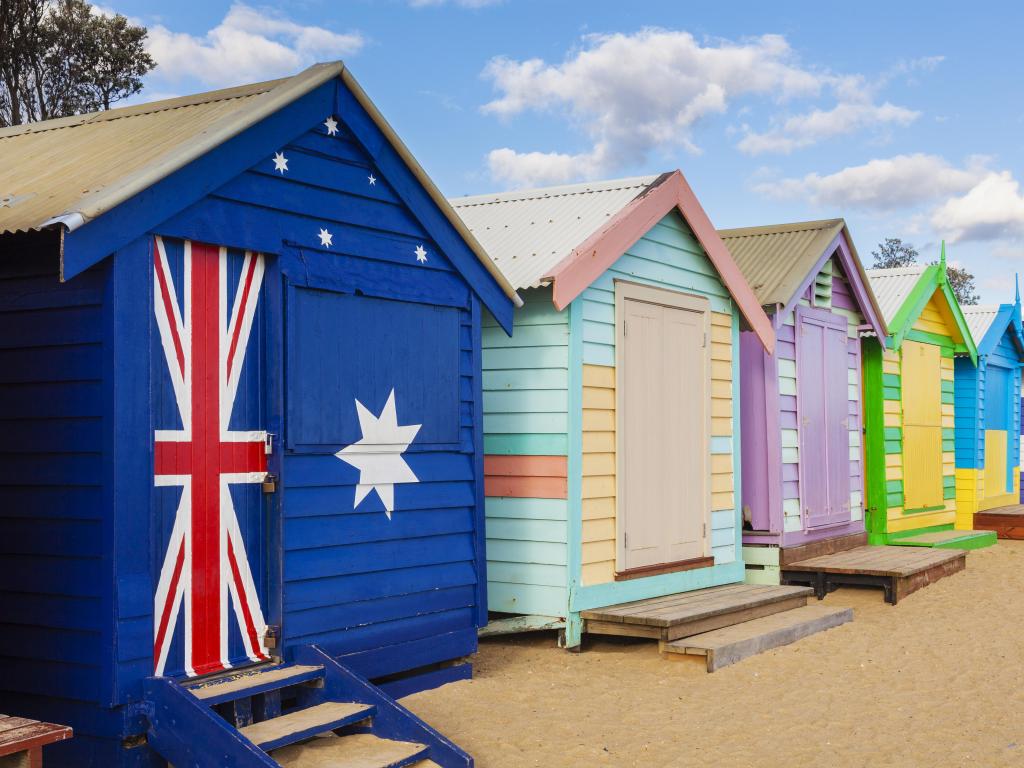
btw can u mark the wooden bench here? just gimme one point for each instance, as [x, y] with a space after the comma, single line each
[22, 741]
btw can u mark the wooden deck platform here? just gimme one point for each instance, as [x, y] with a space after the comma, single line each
[899, 571]
[690, 613]
[22, 741]
[1007, 522]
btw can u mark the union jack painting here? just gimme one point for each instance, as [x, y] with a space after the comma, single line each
[206, 574]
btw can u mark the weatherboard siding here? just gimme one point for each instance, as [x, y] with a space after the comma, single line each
[56, 654]
[525, 396]
[382, 595]
[892, 516]
[669, 257]
[979, 486]
[831, 291]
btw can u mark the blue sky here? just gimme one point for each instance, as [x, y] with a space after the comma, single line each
[906, 119]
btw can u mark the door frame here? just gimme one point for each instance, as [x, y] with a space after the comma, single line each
[826, 319]
[627, 290]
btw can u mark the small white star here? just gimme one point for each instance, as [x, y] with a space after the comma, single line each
[280, 162]
[325, 237]
[421, 254]
[372, 179]
[331, 125]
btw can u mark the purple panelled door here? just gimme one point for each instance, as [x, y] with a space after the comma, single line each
[822, 406]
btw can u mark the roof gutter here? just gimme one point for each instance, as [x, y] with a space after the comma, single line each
[435, 194]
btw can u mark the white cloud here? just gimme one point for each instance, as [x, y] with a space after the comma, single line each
[817, 125]
[993, 209]
[634, 94]
[528, 169]
[249, 44]
[882, 184]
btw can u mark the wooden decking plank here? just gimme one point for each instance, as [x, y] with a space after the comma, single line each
[878, 561]
[635, 606]
[729, 645]
[691, 606]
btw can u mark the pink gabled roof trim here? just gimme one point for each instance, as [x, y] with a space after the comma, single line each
[597, 253]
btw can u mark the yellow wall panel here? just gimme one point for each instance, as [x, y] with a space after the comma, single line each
[933, 318]
[924, 520]
[995, 463]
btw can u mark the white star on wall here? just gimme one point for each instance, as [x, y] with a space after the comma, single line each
[378, 454]
[325, 237]
[372, 180]
[280, 162]
[331, 125]
[421, 254]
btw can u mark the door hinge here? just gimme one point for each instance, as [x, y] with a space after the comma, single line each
[625, 541]
[625, 328]
[704, 535]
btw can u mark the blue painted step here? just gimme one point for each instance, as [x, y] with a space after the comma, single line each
[330, 714]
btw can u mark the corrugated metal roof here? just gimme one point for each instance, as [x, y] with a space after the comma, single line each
[893, 286]
[73, 169]
[528, 232]
[979, 319]
[776, 259]
[51, 168]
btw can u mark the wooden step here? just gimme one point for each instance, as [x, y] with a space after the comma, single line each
[357, 750]
[252, 682]
[726, 646]
[306, 723]
[671, 617]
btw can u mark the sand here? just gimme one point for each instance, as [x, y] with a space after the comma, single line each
[936, 681]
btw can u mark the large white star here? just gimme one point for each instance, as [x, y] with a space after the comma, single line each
[378, 454]
[325, 238]
[331, 125]
[421, 254]
[280, 162]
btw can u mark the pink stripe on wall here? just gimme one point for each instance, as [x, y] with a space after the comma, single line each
[529, 477]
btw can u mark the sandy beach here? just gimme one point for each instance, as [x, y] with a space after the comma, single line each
[936, 681]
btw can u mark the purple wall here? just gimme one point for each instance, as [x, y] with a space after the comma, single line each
[767, 482]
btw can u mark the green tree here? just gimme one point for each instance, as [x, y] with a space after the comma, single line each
[962, 283]
[62, 58]
[894, 253]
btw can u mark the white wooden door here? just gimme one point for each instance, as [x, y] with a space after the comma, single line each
[663, 421]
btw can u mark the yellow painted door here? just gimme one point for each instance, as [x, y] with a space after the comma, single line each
[922, 426]
[995, 463]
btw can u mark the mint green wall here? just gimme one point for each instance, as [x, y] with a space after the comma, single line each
[525, 382]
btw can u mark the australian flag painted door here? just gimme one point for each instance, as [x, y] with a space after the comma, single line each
[209, 457]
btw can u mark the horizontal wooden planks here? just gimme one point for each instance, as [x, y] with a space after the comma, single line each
[878, 561]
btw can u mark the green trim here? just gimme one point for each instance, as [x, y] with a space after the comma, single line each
[926, 337]
[932, 280]
[894, 433]
[894, 486]
[574, 465]
[895, 499]
[969, 539]
[891, 381]
[947, 397]
[921, 510]
[948, 433]
[876, 507]
[893, 446]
